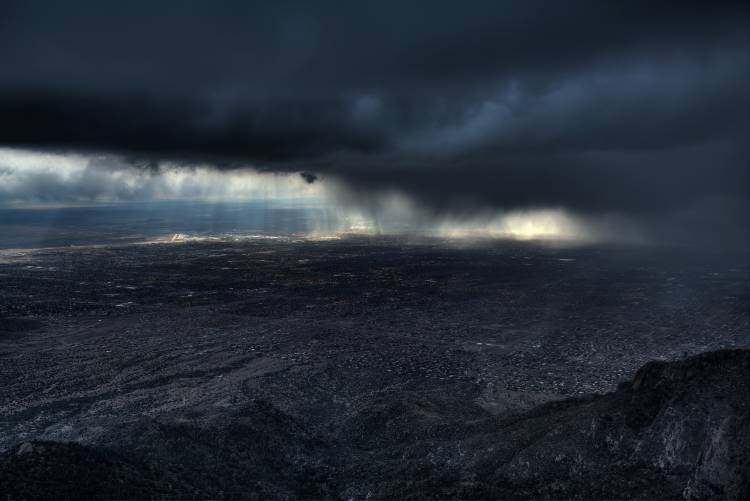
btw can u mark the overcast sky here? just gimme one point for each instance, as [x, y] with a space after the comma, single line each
[635, 108]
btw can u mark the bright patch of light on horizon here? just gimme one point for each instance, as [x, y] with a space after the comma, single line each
[396, 214]
[542, 224]
[28, 178]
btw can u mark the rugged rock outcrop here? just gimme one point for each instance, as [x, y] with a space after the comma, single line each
[678, 430]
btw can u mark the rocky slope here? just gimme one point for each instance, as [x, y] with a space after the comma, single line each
[678, 430]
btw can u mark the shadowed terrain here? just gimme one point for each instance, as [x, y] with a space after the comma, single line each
[372, 367]
[678, 430]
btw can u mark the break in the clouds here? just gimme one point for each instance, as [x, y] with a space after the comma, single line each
[33, 178]
[328, 209]
[632, 108]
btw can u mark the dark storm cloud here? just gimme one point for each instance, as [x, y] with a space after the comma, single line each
[308, 48]
[637, 107]
[180, 128]
[309, 177]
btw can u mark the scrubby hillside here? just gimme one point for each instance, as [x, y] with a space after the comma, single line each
[678, 430]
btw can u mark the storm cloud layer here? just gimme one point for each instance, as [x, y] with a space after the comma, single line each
[639, 108]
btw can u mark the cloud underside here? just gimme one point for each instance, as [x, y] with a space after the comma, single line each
[628, 107]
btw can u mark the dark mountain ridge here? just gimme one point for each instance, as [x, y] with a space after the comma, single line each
[678, 430]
